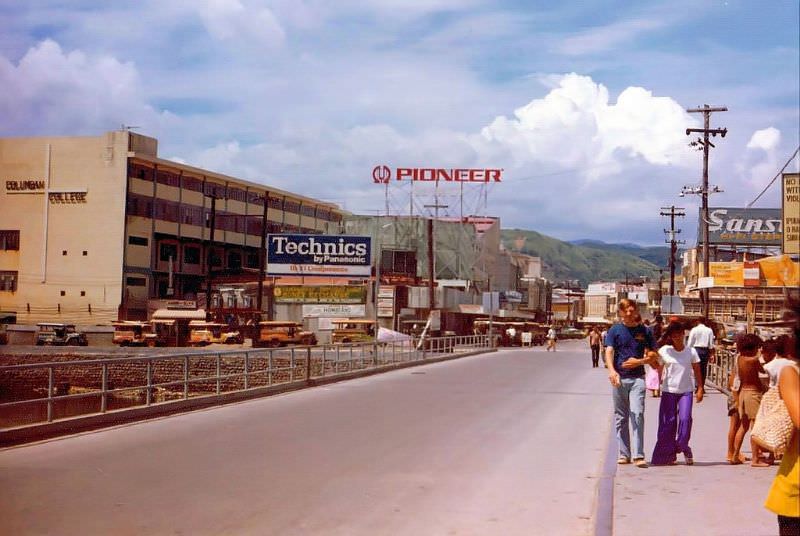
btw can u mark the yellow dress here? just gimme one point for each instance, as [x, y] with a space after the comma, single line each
[784, 495]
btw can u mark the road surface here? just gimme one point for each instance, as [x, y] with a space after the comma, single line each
[506, 443]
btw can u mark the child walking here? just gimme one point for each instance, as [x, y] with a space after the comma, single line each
[679, 366]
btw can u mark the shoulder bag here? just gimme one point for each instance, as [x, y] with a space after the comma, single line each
[773, 428]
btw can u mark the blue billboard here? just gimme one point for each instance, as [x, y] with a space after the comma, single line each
[326, 255]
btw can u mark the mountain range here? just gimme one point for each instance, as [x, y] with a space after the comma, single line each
[589, 260]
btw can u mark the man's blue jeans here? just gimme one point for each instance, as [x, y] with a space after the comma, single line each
[629, 405]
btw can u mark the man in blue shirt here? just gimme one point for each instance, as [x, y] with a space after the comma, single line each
[629, 346]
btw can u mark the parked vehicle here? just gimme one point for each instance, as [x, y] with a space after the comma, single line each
[353, 330]
[275, 333]
[571, 333]
[56, 334]
[205, 333]
[133, 333]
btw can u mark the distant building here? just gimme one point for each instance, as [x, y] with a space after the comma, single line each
[96, 228]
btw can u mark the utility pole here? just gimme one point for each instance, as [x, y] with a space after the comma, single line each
[262, 258]
[209, 255]
[431, 259]
[706, 110]
[673, 243]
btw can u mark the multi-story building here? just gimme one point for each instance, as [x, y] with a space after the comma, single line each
[95, 228]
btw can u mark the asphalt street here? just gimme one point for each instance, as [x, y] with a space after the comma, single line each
[505, 443]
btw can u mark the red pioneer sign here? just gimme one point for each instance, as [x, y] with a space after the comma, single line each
[383, 174]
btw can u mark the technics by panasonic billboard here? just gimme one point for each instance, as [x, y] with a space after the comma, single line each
[330, 255]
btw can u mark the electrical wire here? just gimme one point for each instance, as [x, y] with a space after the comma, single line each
[750, 204]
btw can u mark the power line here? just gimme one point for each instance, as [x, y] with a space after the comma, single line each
[750, 204]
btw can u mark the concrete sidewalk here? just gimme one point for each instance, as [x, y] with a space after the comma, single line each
[709, 498]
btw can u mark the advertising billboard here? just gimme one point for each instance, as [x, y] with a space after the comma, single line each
[791, 213]
[327, 255]
[320, 294]
[744, 226]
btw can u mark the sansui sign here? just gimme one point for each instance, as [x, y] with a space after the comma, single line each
[330, 255]
[745, 226]
[383, 174]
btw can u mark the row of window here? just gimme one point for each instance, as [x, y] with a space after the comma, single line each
[172, 211]
[192, 254]
[222, 191]
[9, 240]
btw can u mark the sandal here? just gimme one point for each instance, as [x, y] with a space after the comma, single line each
[622, 460]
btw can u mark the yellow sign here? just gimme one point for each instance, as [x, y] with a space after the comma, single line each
[320, 294]
[791, 214]
[727, 274]
[780, 271]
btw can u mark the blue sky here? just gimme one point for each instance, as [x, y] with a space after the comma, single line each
[581, 103]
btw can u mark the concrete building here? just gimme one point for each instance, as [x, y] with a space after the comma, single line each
[96, 228]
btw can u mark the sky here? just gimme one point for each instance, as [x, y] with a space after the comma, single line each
[581, 104]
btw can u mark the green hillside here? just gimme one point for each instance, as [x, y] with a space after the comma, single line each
[586, 261]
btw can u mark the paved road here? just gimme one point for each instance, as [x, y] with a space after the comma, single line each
[506, 443]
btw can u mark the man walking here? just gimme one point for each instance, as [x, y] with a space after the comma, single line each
[551, 339]
[594, 345]
[701, 338]
[629, 346]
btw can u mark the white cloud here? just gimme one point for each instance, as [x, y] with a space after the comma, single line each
[766, 139]
[52, 91]
[575, 126]
[232, 21]
[603, 38]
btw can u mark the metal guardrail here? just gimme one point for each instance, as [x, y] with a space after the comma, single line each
[40, 393]
[718, 372]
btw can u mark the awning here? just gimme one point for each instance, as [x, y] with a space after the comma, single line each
[470, 309]
[179, 314]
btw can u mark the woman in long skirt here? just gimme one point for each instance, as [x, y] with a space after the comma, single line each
[679, 366]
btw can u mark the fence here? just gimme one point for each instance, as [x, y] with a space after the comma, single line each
[38, 393]
[718, 372]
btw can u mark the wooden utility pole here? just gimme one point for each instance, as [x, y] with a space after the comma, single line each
[673, 243]
[209, 255]
[706, 110]
[262, 258]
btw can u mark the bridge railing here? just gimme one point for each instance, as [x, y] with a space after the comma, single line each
[37, 393]
[718, 372]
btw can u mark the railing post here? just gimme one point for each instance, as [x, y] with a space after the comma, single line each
[186, 377]
[104, 391]
[219, 373]
[308, 364]
[324, 350]
[149, 373]
[291, 366]
[269, 366]
[50, 381]
[246, 366]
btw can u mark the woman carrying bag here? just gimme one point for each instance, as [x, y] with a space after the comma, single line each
[784, 495]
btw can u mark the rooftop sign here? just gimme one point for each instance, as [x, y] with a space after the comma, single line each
[744, 226]
[327, 255]
[384, 174]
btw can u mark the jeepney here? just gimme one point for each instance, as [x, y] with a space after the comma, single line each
[134, 333]
[57, 334]
[352, 330]
[276, 333]
[204, 333]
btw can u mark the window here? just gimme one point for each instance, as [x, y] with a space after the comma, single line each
[8, 281]
[167, 250]
[9, 240]
[192, 215]
[166, 210]
[252, 260]
[85, 253]
[234, 260]
[216, 257]
[136, 281]
[168, 178]
[137, 241]
[307, 211]
[192, 183]
[64, 252]
[83, 293]
[276, 202]
[254, 225]
[63, 292]
[237, 194]
[291, 206]
[191, 255]
[141, 172]
[256, 198]
[139, 205]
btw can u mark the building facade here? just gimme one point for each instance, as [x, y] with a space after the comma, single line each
[95, 228]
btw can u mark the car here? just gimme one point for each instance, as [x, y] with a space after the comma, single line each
[352, 330]
[57, 334]
[570, 333]
[205, 333]
[133, 333]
